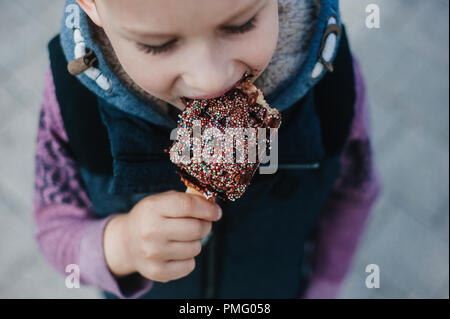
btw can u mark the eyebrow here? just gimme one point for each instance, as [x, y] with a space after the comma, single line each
[165, 35]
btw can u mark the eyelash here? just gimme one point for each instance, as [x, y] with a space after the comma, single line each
[247, 27]
[157, 49]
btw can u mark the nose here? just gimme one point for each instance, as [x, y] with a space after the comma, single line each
[209, 74]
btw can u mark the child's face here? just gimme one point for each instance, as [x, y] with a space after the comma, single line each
[192, 48]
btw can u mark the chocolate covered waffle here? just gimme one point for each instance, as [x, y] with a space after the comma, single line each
[221, 174]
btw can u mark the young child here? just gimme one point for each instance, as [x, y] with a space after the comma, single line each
[107, 197]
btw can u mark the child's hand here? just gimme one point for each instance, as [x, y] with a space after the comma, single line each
[160, 236]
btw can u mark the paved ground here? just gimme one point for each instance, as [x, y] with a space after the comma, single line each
[406, 65]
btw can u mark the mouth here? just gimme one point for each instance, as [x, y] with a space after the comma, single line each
[212, 96]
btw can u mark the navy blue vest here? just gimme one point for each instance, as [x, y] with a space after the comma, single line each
[257, 248]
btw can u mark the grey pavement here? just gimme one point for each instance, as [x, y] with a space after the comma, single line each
[405, 64]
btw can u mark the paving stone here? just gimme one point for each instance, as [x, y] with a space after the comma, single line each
[15, 242]
[22, 31]
[415, 175]
[410, 255]
[9, 107]
[431, 40]
[17, 142]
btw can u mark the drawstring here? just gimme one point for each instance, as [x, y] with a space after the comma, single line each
[78, 66]
[84, 61]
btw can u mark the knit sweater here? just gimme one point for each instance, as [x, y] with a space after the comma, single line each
[69, 232]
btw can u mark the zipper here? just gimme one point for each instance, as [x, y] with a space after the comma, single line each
[205, 239]
[305, 166]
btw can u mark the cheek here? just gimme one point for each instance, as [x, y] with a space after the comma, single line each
[261, 51]
[151, 77]
[261, 43]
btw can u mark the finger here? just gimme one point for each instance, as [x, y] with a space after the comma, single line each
[185, 229]
[180, 268]
[190, 190]
[177, 204]
[178, 250]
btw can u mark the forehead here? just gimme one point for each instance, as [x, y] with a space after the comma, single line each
[173, 15]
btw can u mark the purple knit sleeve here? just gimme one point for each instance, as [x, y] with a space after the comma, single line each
[343, 218]
[66, 229]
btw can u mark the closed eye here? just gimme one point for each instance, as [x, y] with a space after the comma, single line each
[246, 27]
[157, 49]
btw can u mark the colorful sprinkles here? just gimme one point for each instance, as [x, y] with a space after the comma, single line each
[235, 109]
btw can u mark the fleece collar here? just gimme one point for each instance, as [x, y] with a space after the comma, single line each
[104, 83]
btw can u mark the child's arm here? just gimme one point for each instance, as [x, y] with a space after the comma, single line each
[67, 230]
[344, 216]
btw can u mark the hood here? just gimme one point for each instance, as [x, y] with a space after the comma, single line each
[103, 82]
